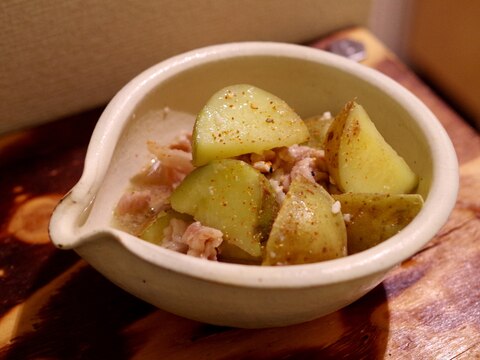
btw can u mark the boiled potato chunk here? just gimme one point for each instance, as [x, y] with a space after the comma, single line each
[307, 229]
[360, 160]
[154, 231]
[242, 119]
[317, 127]
[233, 197]
[373, 218]
[233, 254]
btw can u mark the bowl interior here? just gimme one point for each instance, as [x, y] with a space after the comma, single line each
[309, 86]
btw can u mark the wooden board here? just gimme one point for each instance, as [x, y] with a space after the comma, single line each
[53, 305]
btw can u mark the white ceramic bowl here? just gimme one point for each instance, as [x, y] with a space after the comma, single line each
[311, 81]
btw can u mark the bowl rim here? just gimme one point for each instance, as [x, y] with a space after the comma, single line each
[435, 212]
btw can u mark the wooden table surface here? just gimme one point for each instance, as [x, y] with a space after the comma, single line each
[53, 305]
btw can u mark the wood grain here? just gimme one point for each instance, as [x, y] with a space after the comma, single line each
[53, 305]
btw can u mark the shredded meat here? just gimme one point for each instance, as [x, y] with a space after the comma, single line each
[170, 166]
[139, 206]
[194, 239]
[303, 168]
[173, 234]
[150, 189]
[182, 142]
[283, 164]
[299, 152]
[279, 194]
[202, 241]
[133, 202]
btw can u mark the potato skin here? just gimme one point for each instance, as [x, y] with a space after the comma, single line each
[306, 229]
[233, 197]
[242, 119]
[373, 218]
[360, 160]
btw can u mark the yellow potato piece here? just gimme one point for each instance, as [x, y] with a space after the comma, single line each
[373, 218]
[307, 229]
[360, 160]
[317, 127]
[242, 119]
[233, 197]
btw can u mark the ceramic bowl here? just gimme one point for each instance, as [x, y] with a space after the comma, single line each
[311, 81]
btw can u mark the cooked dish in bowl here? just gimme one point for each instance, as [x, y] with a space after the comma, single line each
[256, 184]
[232, 291]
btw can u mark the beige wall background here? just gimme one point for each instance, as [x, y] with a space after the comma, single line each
[440, 41]
[62, 57]
[444, 47]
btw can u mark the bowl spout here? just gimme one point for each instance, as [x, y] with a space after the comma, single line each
[66, 228]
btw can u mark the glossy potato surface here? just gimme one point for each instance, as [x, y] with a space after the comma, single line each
[360, 160]
[306, 229]
[233, 197]
[374, 218]
[241, 119]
